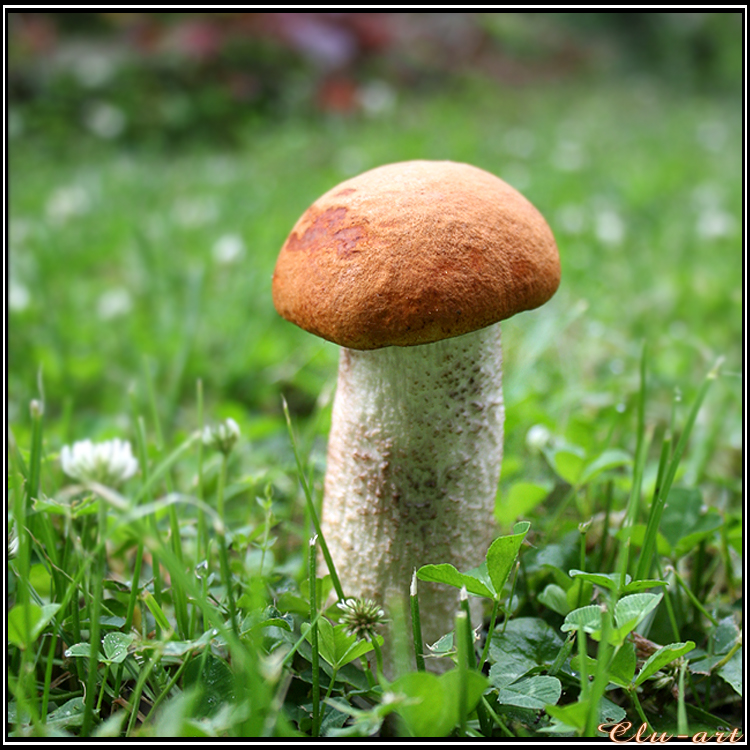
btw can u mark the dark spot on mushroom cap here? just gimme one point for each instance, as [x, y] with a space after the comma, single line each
[327, 229]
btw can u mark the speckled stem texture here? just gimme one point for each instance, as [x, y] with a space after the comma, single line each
[413, 466]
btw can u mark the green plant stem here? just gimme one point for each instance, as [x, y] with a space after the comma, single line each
[662, 490]
[334, 673]
[604, 546]
[513, 584]
[495, 718]
[633, 693]
[202, 553]
[267, 505]
[31, 524]
[682, 721]
[101, 689]
[135, 585]
[562, 655]
[654, 517]
[463, 655]
[725, 659]
[471, 664]
[601, 676]
[24, 696]
[36, 409]
[178, 596]
[416, 624]
[226, 571]
[668, 604]
[311, 508]
[293, 650]
[135, 698]
[378, 657]
[727, 560]
[48, 677]
[582, 529]
[584, 671]
[23, 704]
[135, 588]
[699, 568]
[490, 631]
[315, 662]
[464, 603]
[367, 669]
[693, 599]
[95, 608]
[641, 448]
[145, 493]
[168, 688]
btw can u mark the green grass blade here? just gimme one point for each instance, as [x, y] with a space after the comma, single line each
[641, 449]
[311, 507]
[416, 624]
[315, 664]
[649, 545]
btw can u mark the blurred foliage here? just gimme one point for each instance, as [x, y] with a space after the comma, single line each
[171, 250]
[699, 50]
[168, 77]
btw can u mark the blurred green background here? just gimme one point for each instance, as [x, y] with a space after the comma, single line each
[157, 162]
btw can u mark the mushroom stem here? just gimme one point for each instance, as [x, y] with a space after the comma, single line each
[413, 464]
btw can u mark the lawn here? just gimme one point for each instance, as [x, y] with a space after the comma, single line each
[139, 309]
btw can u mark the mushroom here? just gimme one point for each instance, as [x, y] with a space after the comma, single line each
[409, 267]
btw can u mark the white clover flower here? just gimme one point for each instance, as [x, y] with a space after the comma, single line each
[609, 227]
[19, 297]
[105, 120]
[519, 142]
[228, 249]
[114, 303]
[68, 201]
[222, 436]
[195, 211]
[110, 463]
[714, 222]
[571, 218]
[361, 617]
[569, 156]
[538, 437]
[377, 97]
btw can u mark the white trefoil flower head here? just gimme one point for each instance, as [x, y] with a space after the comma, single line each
[222, 436]
[361, 617]
[110, 463]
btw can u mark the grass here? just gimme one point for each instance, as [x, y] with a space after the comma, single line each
[140, 308]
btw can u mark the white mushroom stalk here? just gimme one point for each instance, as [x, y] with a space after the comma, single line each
[414, 459]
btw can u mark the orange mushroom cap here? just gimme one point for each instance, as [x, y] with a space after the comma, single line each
[412, 253]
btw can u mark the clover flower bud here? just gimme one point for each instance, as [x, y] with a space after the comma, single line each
[538, 438]
[223, 436]
[12, 544]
